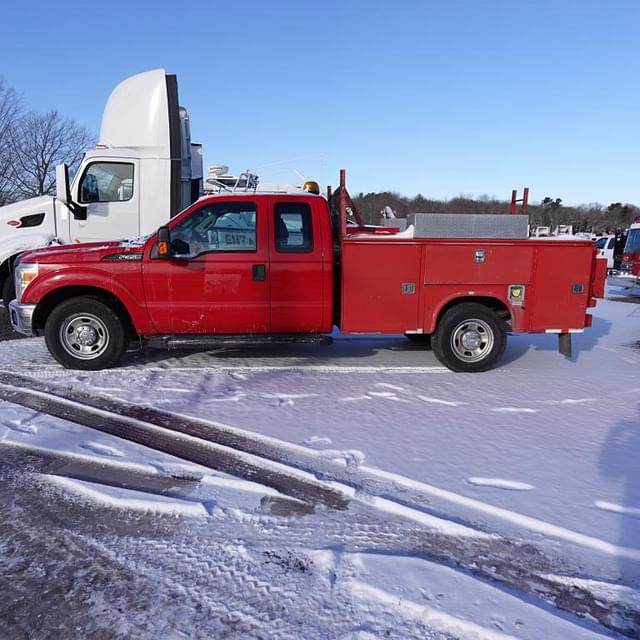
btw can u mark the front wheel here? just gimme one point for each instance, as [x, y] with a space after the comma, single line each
[85, 333]
[470, 337]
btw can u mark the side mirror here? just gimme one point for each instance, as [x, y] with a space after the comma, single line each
[163, 243]
[79, 212]
[63, 193]
[62, 184]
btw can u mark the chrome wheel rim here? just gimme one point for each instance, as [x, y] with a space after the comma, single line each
[84, 336]
[472, 340]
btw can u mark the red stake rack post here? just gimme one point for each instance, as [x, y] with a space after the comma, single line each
[515, 200]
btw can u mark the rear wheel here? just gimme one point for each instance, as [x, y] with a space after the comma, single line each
[85, 333]
[470, 337]
[8, 291]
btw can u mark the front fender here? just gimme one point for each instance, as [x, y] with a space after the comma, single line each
[127, 289]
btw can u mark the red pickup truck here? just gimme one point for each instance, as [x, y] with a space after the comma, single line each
[270, 267]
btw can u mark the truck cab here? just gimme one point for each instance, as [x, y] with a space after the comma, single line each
[631, 257]
[243, 264]
[143, 171]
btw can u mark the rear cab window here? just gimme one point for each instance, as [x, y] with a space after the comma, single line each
[293, 227]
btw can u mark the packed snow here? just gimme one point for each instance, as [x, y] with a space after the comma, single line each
[542, 451]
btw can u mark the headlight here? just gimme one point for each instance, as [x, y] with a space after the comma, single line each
[25, 274]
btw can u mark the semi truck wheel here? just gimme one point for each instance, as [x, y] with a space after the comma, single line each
[8, 291]
[85, 333]
[470, 337]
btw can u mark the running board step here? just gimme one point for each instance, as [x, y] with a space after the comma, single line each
[235, 340]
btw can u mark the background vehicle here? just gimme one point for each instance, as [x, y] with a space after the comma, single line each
[268, 266]
[606, 246]
[628, 273]
[143, 171]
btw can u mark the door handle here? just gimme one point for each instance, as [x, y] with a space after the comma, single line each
[259, 272]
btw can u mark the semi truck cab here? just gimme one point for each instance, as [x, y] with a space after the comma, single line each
[143, 171]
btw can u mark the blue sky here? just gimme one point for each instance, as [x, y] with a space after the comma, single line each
[439, 98]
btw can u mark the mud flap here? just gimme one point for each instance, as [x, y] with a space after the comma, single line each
[564, 344]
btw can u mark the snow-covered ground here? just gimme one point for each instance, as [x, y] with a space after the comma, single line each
[542, 453]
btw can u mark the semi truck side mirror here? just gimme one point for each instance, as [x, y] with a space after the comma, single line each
[62, 184]
[79, 212]
[163, 244]
[63, 193]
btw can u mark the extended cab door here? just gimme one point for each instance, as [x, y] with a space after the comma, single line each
[218, 280]
[109, 189]
[301, 285]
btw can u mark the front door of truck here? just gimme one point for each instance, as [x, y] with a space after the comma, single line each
[110, 191]
[218, 280]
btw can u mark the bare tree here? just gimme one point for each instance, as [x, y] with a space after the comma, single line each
[10, 107]
[40, 142]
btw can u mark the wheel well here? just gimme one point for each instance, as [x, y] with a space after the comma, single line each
[53, 299]
[497, 306]
[4, 271]
[5, 268]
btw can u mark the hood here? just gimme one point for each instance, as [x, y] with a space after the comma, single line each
[89, 252]
[41, 203]
[12, 215]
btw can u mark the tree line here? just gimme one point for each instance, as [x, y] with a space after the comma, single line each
[32, 144]
[592, 218]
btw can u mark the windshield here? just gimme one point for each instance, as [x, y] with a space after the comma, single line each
[633, 241]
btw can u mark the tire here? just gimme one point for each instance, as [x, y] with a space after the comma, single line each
[85, 333]
[8, 291]
[470, 338]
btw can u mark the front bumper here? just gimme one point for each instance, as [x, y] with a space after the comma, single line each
[625, 280]
[21, 317]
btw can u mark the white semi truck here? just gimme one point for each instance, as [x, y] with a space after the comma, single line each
[142, 172]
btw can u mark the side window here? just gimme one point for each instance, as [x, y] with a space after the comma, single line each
[107, 182]
[294, 232]
[600, 242]
[222, 226]
[612, 243]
